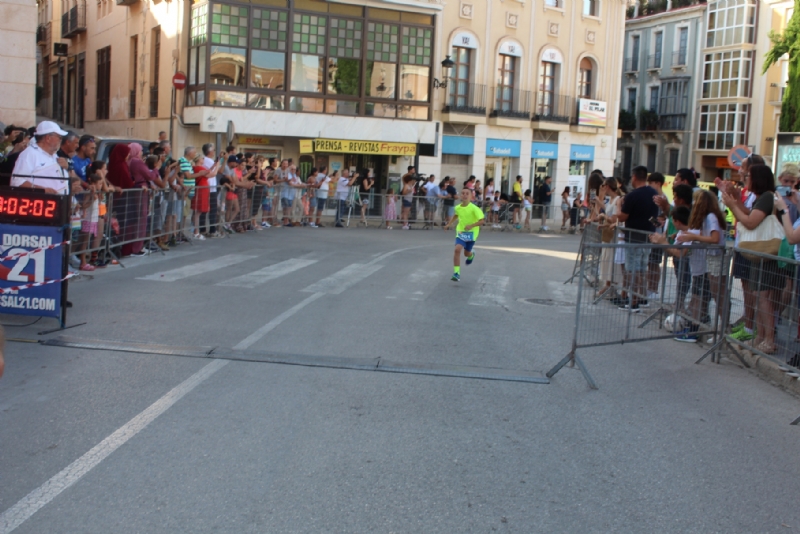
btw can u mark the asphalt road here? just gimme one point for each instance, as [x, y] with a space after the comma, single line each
[108, 441]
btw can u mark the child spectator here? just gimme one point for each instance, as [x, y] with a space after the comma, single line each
[496, 210]
[391, 209]
[90, 206]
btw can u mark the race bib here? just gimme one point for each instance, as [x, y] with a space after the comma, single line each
[466, 236]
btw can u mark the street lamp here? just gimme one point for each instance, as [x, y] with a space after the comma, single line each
[447, 64]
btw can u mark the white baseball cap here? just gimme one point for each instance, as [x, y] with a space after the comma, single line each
[48, 127]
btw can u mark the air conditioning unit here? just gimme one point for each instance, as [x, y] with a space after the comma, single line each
[127, 2]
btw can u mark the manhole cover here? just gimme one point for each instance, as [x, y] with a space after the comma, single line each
[548, 302]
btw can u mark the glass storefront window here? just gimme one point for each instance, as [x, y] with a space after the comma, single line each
[414, 82]
[226, 98]
[307, 73]
[381, 79]
[380, 110]
[301, 103]
[341, 107]
[262, 101]
[267, 69]
[419, 113]
[343, 76]
[227, 66]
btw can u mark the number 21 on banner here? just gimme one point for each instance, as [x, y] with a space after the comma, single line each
[16, 274]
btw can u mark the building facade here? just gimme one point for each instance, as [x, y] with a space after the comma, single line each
[738, 105]
[18, 62]
[532, 89]
[659, 82]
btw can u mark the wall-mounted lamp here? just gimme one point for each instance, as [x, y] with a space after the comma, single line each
[447, 64]
[409, 95]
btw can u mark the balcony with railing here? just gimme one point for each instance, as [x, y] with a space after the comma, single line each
[464, 97]
[654, 62]
[154, 101]
[553, 107]
[41, 34]
[679, 58]
[631, 64]
[775, 94]
[672, 123]
[511, 103]
[73, 21]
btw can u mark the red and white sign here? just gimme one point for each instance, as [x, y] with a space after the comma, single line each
[179, 80]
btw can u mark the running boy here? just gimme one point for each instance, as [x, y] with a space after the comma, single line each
[470, 219]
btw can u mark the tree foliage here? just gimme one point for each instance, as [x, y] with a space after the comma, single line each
[788, 43]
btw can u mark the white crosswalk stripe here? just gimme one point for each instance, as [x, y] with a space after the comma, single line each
[342, 280]
[197, 268]
[417, 286]
[490, 291]
[262, 276]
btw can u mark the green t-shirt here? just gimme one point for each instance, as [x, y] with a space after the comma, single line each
[469, 214]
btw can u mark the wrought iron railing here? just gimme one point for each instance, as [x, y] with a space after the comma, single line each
[466, 97]
[512, 103]
[553, 107]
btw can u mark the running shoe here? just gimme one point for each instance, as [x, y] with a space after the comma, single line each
[265, 224]
[456, 277]
[633, 308]
[743, 335]
[471, 259]
[686, 336]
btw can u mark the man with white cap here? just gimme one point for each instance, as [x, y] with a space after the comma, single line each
[38, 166]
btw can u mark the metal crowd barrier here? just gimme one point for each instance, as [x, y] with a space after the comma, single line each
[746, 301]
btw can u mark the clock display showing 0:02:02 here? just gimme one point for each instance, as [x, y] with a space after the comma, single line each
[27, 207]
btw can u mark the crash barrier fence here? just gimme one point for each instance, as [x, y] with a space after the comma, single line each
[104, 222]
[728, 297]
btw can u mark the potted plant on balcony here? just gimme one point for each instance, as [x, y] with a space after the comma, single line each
[627, 120]
[648, 119]
[787, 43]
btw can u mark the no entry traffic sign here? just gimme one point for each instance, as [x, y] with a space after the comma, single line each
[737, 154]
[179, 80]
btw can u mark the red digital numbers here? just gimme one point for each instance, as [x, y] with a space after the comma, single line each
[26, 207]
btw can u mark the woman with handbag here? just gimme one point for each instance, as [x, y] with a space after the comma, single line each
[757, 233]
[608, 189]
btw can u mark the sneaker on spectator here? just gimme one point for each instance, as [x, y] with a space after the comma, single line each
[633, 308]
[74, 261]
[744, 335]
[686, 336]
[652, 295]
[406, 228]
[644, 303]
[199, 237]
[140, 254]
[312, 225]
[265, 224]
[545, 229]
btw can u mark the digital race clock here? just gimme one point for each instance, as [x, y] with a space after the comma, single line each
[20, 205]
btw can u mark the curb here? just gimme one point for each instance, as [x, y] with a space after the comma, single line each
[770, 371]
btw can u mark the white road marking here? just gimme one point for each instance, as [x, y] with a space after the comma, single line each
[262, 276]
[490, 291]
[264, 330]
[197, 268]
[417, 286]
[340, 281]
[41, 496]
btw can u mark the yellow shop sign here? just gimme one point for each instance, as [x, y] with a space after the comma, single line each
[253, 140]
[365, 147]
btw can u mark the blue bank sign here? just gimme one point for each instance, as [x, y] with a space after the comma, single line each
[544, 150]
[581, 153]
[502, 148]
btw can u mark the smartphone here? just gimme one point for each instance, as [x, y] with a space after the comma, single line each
[784, 190]
[654, 221]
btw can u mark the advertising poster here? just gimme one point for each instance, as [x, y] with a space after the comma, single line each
[592, 113]
[30, 268]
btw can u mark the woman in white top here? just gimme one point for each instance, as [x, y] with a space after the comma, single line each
[564, 208]
[322, 184]
[608, 191]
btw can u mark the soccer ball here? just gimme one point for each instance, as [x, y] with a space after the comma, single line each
[674, 323]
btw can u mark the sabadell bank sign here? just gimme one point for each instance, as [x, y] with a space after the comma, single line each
[499, 151]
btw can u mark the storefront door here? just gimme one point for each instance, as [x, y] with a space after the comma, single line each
[498, 169]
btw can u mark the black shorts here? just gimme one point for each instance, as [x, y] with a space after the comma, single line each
[656, 256]
[741, 266]
[700, 286]
[766, 275]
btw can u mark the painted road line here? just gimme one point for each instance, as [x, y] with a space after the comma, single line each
[262, 276]
[490, 291]
[417, 285]
[41, 496]
[197, 268]
[340, 281]
[270, 326]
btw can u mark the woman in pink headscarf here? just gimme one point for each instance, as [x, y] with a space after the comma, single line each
[140, 200]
